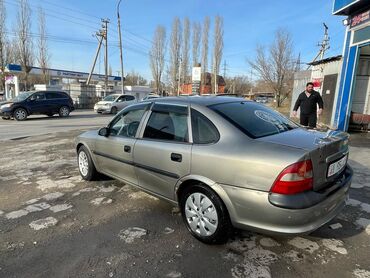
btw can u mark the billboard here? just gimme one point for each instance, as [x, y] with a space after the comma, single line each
[343, 4]
[196, 74]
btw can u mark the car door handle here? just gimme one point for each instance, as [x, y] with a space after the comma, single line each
[127, 149]
[176, 157]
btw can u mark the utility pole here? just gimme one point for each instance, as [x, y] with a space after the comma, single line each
[324, 45]
[120, 49]
[100, 37]
[179, 84]
[105, 32]
[225, 69]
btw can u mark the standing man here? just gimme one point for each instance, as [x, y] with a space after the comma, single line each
[308, 101]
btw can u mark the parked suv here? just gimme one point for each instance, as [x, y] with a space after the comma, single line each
[114, 103]
[45, 102]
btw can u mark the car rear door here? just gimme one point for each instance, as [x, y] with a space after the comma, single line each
[114, 154]
[38, 103]
[162, 154]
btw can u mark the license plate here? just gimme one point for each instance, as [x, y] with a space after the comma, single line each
[338, 166]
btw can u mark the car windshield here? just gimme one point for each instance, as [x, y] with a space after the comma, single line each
[254, 119]
[22, 96]
[110, 98]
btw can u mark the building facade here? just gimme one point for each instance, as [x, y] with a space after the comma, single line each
[354, 78]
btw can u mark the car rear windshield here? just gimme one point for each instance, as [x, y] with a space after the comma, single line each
[254, 119]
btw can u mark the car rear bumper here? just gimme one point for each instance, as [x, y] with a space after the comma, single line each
[252, 210]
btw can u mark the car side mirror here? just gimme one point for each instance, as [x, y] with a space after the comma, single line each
[104, 131]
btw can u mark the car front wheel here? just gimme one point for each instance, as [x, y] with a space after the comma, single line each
[64, 111]
[85, 165]
[205, 215]
[20, 114]
[114, 110]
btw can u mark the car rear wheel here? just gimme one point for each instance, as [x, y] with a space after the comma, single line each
[114, 110]
[86, 166]
[20, 114]
[64, 111]
[205, 215]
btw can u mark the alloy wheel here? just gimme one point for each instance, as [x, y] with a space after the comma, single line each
[20, 114]
[83, 163]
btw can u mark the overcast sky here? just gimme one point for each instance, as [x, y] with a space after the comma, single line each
[71, 25]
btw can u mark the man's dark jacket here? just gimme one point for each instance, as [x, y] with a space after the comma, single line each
[308, 105]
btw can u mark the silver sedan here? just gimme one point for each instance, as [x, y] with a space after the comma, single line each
[226, 162]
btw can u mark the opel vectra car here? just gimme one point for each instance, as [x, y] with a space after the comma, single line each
[226, 162]
[38, 102]
[114, 103]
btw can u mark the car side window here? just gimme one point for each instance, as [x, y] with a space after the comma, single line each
[120, 99]
[38, 96]
[126, 125]
[167, 124]
[130, 98]
[204, 131]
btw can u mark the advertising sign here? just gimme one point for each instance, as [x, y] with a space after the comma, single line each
[196, 74]
[360, 19]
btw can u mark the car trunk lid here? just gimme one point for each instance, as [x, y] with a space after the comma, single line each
[323, 148]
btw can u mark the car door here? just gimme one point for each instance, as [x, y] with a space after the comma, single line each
[162, 153]
[120, 102]
[126, 101]
[114, 153]
[38, 103]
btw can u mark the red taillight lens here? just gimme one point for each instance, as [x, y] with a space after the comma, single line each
[294, 179]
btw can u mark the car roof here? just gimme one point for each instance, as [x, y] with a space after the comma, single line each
[199, 100]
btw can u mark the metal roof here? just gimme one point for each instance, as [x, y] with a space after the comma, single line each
[326, 60]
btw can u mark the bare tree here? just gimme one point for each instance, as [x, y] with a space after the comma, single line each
[218, 45]
[3, 45]
[156, 56]
[196, 42]
[205, 48]
[185, 51]
[24, 40]
[43, 55]
[276, 66]
[240, 85]
[175, 50]
[135, 79]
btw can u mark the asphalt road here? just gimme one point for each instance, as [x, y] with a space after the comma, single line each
[54, 224]
[40, 124]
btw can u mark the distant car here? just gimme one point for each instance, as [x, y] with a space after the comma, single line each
[38, 102]
[114, 103]
[261, 99]
[151, 96]
[226, 162]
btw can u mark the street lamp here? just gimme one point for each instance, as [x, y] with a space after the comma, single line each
[120, 48]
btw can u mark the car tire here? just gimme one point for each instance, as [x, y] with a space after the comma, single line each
[64, 111]
[205, 215]
[5, 118]
[86, 166]
[20, 114]
[114, 110]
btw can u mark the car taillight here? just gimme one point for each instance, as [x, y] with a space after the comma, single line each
[294, 179]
